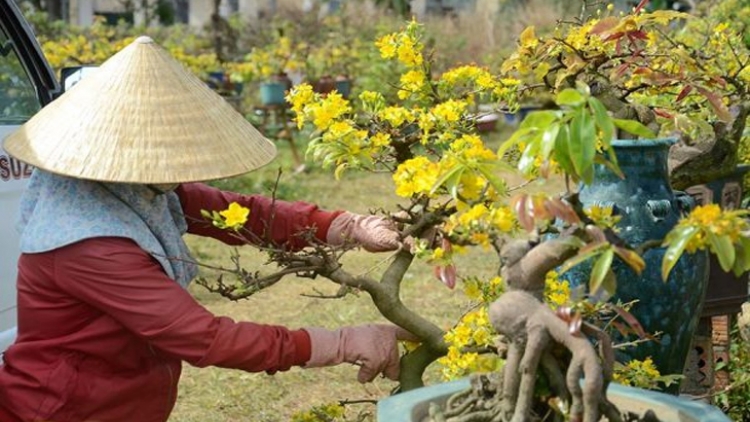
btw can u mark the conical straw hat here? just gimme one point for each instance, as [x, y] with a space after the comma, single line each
[141, 118]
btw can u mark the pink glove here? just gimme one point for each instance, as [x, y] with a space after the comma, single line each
[373, 347]
[373, 233]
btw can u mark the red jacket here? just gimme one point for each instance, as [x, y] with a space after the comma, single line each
[102, 330]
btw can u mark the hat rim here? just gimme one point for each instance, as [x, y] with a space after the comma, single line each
[142, 118]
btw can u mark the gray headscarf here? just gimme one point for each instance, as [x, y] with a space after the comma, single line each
[57, 211]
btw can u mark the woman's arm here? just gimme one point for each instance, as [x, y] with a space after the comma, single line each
[279, 222]
[115, 276]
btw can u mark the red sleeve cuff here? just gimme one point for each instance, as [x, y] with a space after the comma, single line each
[303, 346]
[322, 220]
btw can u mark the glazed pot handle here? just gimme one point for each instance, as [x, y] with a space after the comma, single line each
[685, 202]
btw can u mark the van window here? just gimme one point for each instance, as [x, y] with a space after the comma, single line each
[18, 100]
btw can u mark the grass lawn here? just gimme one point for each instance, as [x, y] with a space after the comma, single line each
[214, 394]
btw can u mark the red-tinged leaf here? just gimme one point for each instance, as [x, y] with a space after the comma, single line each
[615, 36]
[538, 202]
[446, 245]
[621, 69]
[596, 233]
[684, 93]
[632, 321]
[562, 210]
[663, 113]
[524, 219]
[447, 275]
[639, 34]
[621, 328]
[604, 25]
[719, 80]
[574, 326]
[721, 110]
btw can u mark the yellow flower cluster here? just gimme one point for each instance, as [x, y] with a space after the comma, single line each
[483, 291]
[330, 412]
[405, 46]
[416, 176]
[712, 221]
[556, 291]
[299, 96]
[277, 57]
[324, 112]
[602, 215]
[479, 223]
[636, 373]
[469, 75]
[396, 115]
[472, 332]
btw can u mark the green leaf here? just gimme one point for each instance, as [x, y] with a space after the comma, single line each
[549, 136]
[600, 159]
[488, 171]
[562, 154]
[676, 240]
[635, 128]
[458, 169]
[582, 145]
[599, 271]
[584, 254]
[539, 120]
[340, 170]
[569, 97]
[609, 284]
[603, 121]
[518, 136]
[528, 158]
[723, 249]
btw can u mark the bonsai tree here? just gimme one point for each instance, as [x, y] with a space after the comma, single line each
[677, 74]
[456, 197]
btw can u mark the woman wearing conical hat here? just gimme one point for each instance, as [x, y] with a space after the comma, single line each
[104, 320]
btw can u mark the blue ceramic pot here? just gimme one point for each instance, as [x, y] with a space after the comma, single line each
[412, 406]
[272, 93]
[649, 209]
[344, 87]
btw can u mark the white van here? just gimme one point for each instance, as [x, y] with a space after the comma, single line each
[26, 84]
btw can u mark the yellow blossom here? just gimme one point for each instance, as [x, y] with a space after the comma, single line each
[380, 140]
[415, 176]
[387, 46]
[396, 116]
[235, 216]
[449, 111]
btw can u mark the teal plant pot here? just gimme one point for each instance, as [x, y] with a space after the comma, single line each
[272, 93]
[412, 406]
[344, 87]
[649, 209]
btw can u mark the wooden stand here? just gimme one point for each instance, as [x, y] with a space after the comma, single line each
[276, 124]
